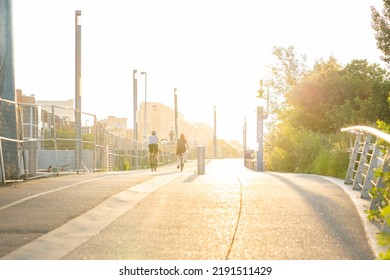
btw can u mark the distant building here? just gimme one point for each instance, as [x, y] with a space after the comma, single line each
[117, 126]
[64, 109]
[39, 116]
[30, 114]
[162, 119]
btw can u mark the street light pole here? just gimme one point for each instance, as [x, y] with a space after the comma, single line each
[78, 89]
[215, 132]
[244, 135]
[176, 128]
[260, 131]
[144, 73]
[135, 119]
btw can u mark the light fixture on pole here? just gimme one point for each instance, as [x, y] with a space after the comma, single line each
[260, 131]
[146, 75]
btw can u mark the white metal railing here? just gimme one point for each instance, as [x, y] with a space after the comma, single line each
[370, 152]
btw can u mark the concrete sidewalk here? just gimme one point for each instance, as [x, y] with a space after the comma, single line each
[234, 213]
[227, 213]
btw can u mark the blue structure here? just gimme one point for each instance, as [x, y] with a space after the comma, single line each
[8, 118]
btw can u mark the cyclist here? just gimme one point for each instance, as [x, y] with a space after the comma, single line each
[181, 148]
[153, 144]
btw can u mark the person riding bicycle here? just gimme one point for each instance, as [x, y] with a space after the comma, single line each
[181, 148]
[153, 143]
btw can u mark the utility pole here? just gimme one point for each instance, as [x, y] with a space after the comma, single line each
[135, 119]
[146, 82]
[215, 132]
[260, 133]
[176, 128]
[78, 90]
[260, 126]
[244, 136]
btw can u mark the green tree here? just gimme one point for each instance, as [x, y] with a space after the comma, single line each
[287, 72]
[381, 25]
[316, 104]
[224, 150]
[331, 96]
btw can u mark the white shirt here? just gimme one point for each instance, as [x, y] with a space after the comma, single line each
[153, 139]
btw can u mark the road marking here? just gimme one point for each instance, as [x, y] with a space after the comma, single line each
[58, 243]
[51, 191]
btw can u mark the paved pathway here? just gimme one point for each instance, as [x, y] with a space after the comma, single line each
[228, 213]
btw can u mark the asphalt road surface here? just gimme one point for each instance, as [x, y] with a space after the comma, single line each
[227, 213]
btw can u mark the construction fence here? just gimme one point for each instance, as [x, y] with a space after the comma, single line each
[46, 142]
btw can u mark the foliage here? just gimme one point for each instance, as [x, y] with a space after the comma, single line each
[126, 165]
[382, 196]
[316, 103]
[224, 150]
[287, 72]
[65, 139]
[293, 149]
[341, 96]
[381, 24]
[384, 237]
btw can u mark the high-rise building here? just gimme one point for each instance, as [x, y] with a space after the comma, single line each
[161, 118]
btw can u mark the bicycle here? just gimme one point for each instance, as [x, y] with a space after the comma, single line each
[153, 162]
[60, 168]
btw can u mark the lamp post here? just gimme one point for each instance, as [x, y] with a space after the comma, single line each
[176, 128]
[215, 133]
[135, 119]
[146, 75]
[260, 131]
[244, 135]
[78, 89]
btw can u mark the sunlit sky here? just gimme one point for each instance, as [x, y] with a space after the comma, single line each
[213, 51]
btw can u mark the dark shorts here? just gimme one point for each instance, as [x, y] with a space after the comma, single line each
[153, 148]
[180, 150]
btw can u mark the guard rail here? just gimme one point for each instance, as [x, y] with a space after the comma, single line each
[370, 152]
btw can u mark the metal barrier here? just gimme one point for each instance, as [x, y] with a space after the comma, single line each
[47, 144]
[369, 153]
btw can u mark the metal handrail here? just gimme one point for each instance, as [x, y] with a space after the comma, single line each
[367, 155]
[367, 129]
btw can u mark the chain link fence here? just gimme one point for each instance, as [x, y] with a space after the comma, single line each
[47, 143]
